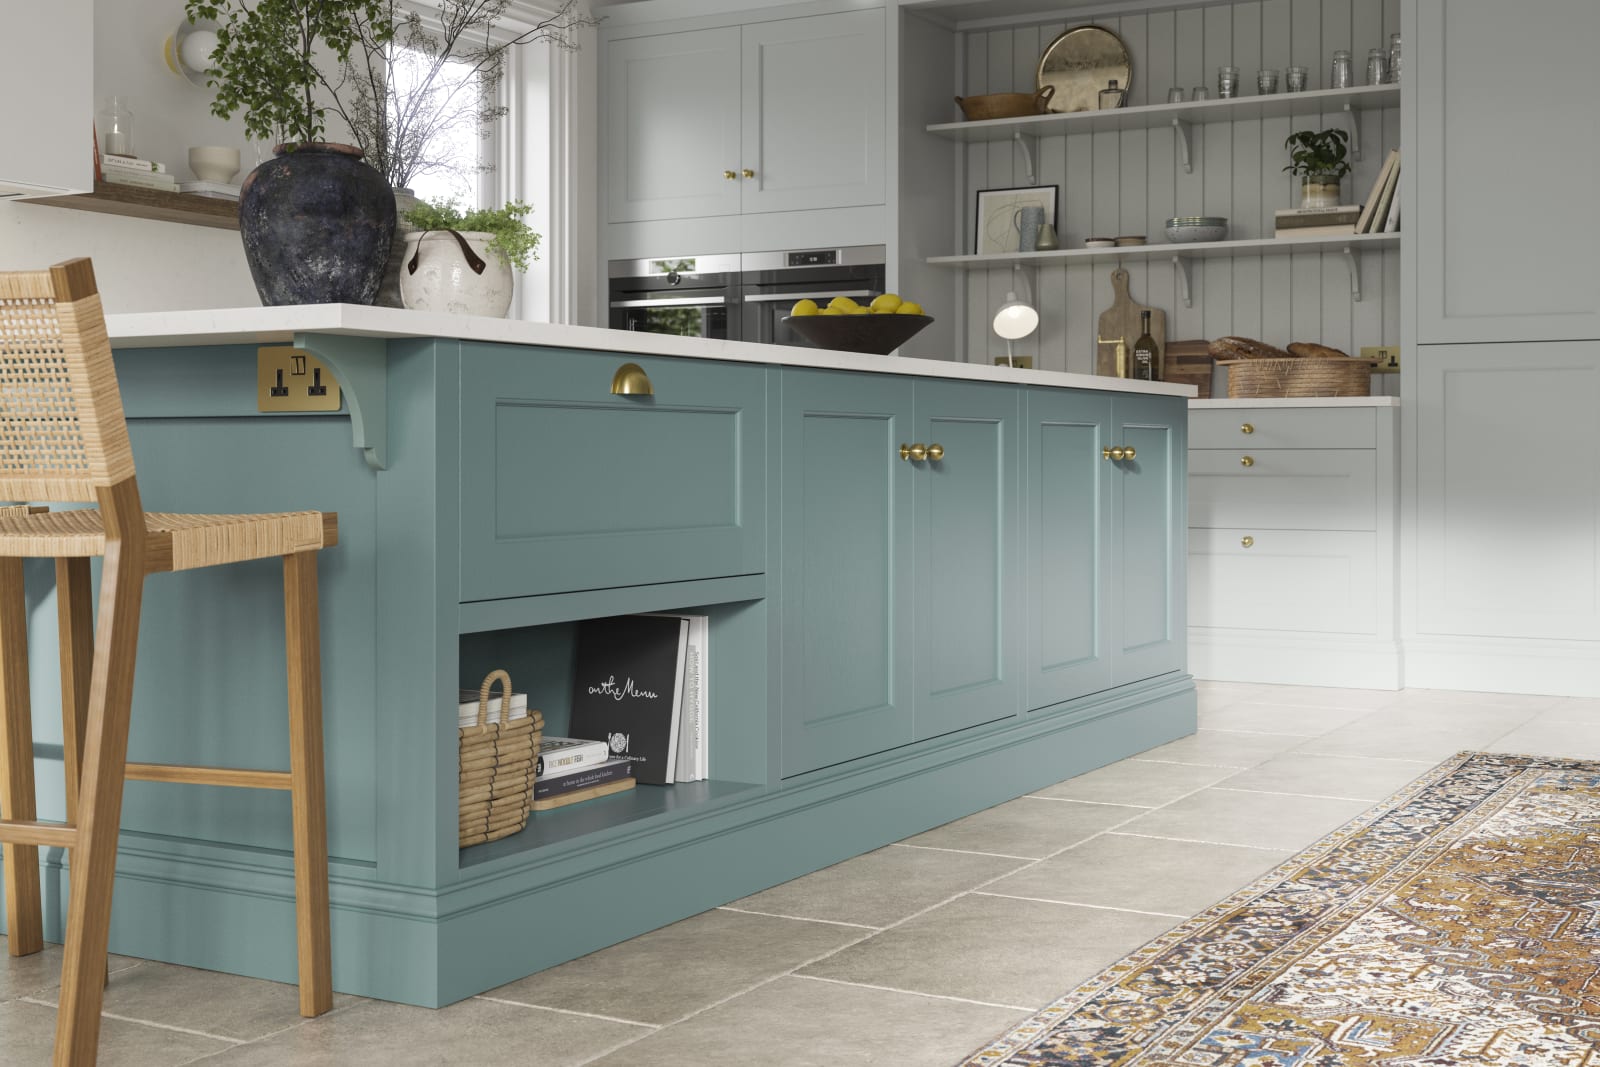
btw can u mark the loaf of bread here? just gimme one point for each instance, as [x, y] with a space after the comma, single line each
[1316, 351]
[1245, 348]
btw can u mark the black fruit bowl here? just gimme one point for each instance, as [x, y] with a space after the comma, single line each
[878, 334]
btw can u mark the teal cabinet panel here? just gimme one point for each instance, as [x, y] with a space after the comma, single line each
[569, 487]
[846, 569]
[1149, 519]
[967, 541]
[1068, 546]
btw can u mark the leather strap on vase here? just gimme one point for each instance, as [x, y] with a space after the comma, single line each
[473, 259]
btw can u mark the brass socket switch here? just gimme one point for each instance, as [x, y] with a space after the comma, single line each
[291, 379]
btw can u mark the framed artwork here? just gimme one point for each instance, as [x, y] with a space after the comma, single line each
[1000, 221]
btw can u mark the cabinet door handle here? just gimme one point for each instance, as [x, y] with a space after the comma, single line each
[1247, 461]
[730, 175]
[936, 451]
[748, 173]
[1112, 452]
[1247, 428]
[1128, 452]
[915, 453]
[1247, 540]
[631, 380]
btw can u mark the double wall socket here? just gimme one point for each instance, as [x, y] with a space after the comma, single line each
[1386, 358]
[291, 379]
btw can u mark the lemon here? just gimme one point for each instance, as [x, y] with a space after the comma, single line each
[843, 303]
[804, 307]
[857, 310]
[886, 302]
[883, 311]
[908, 309]
[831, 310]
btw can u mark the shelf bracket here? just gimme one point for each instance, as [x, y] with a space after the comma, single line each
[1355, 131]
[1355, 273]
[362, 366]
[1021, 142]
[1181, 131]
[1180, 266]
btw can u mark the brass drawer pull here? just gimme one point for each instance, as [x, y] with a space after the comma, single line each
[1247, 428]
[631, 380]
[1247, 461]
[748, 173]
[1247, 540]
[729, 175]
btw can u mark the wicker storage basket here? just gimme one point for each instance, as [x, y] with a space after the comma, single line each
[498, 762]
[1005, 105]
[1300, 376]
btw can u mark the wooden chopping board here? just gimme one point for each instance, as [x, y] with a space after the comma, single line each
[1122, 320]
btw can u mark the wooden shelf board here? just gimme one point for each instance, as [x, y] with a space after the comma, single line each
[1156, 116]
[1198, 250]
[135, 202]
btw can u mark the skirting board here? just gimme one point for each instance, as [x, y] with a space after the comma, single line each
[1294, 658]
[1504, 665]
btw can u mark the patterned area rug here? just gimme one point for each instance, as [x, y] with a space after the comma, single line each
[1457, 923]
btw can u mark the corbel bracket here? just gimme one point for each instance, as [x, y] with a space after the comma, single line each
[362, 366]
[1180, 130]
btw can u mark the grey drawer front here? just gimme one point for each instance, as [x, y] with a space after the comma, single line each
[565, 487]
[1283, 489]
[1303, 580]
[1283, 428]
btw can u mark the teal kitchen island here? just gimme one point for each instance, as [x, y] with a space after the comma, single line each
[895, 642]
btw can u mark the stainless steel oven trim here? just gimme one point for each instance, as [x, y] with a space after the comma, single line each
[668, 302]
[848, 256]
[652, 267]
[775, 298]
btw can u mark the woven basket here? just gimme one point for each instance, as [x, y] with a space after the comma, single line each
[1300, 376]
[1006, 105]
[498, 762]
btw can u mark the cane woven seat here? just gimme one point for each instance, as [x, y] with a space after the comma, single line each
[174, 542]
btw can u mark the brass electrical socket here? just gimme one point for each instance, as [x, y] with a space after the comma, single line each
[292, 379]
[1386, 358]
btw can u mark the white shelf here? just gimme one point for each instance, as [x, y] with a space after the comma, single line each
[1181, 254]
[1155, 116]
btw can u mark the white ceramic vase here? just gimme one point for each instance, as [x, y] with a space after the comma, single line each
[443, 279]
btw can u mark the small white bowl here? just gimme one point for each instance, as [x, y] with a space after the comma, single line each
[1100, 242]
[214, 163]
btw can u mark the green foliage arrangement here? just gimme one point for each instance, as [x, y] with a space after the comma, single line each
[1318, 153]
[266, 57]
[514, 240]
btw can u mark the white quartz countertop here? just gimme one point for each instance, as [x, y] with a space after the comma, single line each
[279, 325]
[1300, 402]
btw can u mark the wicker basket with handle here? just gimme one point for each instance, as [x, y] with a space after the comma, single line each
[1299, 376]
[498, 763]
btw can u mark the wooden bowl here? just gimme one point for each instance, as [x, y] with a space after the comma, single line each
[878, 334]
[1006, 105]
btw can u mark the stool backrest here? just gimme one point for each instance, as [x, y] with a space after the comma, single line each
[62, 434]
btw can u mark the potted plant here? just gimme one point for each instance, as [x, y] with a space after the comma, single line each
[401, 96]
[1318, 158]
[316, 222]
[461, 261]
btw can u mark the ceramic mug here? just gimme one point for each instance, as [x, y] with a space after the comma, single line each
[1026, 221]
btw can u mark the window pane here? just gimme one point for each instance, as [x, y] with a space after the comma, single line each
[444, 124]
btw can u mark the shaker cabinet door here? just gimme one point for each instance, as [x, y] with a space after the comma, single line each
[1148, 522]
[1504, 230]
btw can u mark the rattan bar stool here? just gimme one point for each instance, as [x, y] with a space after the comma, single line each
[63, 439]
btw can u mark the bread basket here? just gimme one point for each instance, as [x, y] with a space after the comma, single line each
[1006, 105]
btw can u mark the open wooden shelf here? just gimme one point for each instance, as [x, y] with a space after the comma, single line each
[134, 202]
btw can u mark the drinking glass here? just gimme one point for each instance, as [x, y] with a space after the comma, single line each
[1394, 57]
[1266, 82]
[1200, 92]
[1227, 82]
[1175, 95]
[1377, 66]
[1296, 79]
[1341, 77]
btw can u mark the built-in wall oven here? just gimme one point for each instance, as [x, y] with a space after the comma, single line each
[771, 282]
[693, 296]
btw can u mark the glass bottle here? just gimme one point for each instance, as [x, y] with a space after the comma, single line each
[1146, 354]
[1111, 96]
[115, 121]
[1377, 66]
[1394, 58]
[1340, 76]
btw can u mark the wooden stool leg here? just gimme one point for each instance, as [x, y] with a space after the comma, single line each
[302, 638]
[100, 805]
[75, 628]
[24, 917]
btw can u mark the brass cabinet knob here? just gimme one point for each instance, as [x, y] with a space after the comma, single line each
[1112, 452]
[730, 175]
[916, 453]
[748, 173]
[936, 451]
[1128, 452]
[1247, 461]
[1247, 540]
[1247, 428]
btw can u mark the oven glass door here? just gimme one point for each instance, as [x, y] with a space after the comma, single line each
[683, 313]
[766, 307]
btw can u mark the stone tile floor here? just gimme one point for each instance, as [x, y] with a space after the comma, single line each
[915, 954]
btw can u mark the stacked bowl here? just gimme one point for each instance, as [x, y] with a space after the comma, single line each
[1197, 228]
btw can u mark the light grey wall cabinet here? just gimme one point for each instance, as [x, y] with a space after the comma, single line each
[1503, 220]
[45, 148]
[785, 115]
[1292, 534]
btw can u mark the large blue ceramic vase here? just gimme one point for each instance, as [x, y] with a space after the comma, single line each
[317, 223]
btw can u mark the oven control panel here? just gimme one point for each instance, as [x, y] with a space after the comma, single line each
[822, 257]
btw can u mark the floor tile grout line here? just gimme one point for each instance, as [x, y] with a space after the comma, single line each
[1078, 904]
[796, 918]
[233, 1041]
[567, 1011]
[1219, 787]
[962, 852]
[914, 993]
[1224, 844]
[1077, 800]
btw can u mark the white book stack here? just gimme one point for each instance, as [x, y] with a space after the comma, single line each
[691, 761]
[467, 710]
[139, 173]
[215, 190]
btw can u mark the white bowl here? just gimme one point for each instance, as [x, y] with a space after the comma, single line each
[214, 163]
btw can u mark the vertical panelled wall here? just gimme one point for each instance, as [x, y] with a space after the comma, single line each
[1131, 182]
